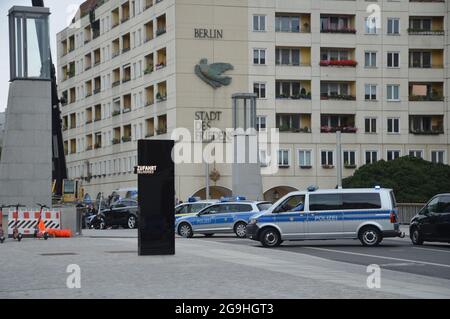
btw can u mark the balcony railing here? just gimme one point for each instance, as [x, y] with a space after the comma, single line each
[115, 113]
[97, 91]
[301, 96]
[116, 83]
[160, 31]
[115, 141]
[126, 139]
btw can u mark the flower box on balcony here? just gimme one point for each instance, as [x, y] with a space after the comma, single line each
[349, 166]
[160, 32]
[337, 97]
[160, 66]
[115, 113]
[126, 139]
[426, 98]
[305, 166]
[342, 30]
[148, 70]
[161, 131]
[160, 97]
[327, 166]
[348, 63]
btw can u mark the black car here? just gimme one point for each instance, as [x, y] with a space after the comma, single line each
[433, 221]
[121, 213]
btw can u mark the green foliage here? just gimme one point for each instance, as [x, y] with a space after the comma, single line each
[413, 180]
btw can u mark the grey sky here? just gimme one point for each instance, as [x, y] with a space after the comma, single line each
[62, 12]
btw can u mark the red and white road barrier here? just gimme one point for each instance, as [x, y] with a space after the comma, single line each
[27, 221]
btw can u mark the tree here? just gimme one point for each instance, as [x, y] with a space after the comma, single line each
[413, 180]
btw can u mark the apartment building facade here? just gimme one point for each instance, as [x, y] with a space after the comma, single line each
[376, 70]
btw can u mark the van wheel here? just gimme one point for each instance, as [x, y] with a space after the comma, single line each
[270, 238]
[416, 237]
[185, 230]
[240, 229]
[370, 236]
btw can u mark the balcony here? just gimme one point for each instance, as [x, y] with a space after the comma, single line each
[426, 124]
[337, 97]
[293, 123]
[426, 92]
[331, 123]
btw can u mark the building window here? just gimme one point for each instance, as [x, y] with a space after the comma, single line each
[371, 157]
[416, 153]
[287, 24]
[349, 158]
[259, 23]
[393, 125]
[438, 157]
[393, 26]
[420, 59]
[263, 158]
[261, 123]
[259, 89]
[393, 92]
[286, 56]
[370, 125]
[305, 158]
[370, 59]
[393, 59]
[371, 25]
[326, 158]
[370, 92]
[259, 56]
[393, 155]
[283, 158]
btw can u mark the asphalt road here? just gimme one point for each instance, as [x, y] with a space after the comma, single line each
[431, 259]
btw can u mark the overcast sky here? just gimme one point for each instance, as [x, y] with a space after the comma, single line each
[62, 12]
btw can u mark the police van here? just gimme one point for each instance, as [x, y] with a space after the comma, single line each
[230, 215]
[365, 214]
[193, 206]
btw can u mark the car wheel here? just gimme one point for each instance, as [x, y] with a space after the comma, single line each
[208, 235]
[416, 237]
[240, 229]
[270, 238]
[370, 236]
[185, 230]
[131, 222]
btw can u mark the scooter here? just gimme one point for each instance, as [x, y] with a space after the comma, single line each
[2, 233]
[39, 230]
[16, 234]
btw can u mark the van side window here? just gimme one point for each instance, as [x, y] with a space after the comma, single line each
[444, 203]
[319, 202]
[293, 203]
[361, 201]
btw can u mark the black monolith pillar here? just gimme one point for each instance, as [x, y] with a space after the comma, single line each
[156, 188]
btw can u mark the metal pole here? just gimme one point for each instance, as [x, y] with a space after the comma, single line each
[207, 180]
[339, 159]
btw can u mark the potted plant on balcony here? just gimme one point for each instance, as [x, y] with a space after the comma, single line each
[149, 69]
[126, 139]
[115, 113]
[347, 165]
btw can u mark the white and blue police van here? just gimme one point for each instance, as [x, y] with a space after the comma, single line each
[365, 214]
[230, 215]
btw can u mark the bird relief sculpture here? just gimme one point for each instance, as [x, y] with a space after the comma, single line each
[212, 73]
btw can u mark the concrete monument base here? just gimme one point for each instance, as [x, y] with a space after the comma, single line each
[26, 160]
